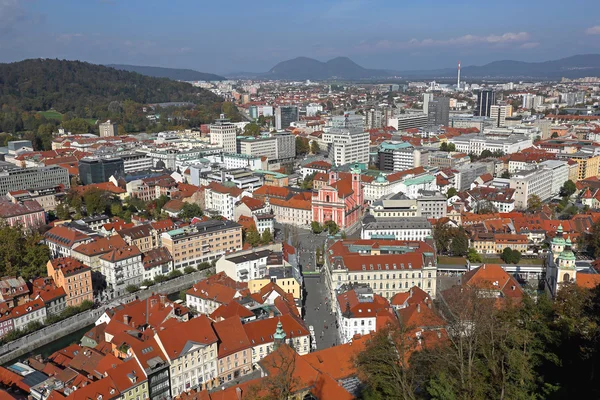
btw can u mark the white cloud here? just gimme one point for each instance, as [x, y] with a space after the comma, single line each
[461, 41]
[594, 30]
[509, 37]
[67, 37]
[529, 45]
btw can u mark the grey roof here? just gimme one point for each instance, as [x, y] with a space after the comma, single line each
[398, 223]
[256, 255]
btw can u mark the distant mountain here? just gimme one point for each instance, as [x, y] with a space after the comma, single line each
[171, 73]
[571, 67]
[303, 68]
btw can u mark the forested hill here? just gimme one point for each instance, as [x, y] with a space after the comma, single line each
[171, 73]
[43, 84]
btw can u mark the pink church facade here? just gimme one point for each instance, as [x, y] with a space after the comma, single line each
[340, 201]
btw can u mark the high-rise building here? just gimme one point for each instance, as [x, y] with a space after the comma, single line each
[284, 116]
[98, 170]
[427, 97]
[486, 98]
[439, 112]
[108, 129]
[499, 114]
[223, 134]
[347, 141]
[12, 179]
[408, 121]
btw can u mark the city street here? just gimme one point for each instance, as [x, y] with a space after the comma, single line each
[308, 244]
[316, 294]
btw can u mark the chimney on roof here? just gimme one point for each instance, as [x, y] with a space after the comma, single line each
[238, 393]
[162, 299]
[126, 319]
[419, 307]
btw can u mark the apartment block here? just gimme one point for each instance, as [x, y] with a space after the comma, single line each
[202, 242]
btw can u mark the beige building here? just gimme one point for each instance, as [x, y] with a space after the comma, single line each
[108, 129]
[191, 348]
[386, 266]
[235, 350]
[202, 242]
[144, 237]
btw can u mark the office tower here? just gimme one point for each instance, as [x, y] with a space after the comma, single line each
[439, 112]
[253, 112]
[223, 134]
[427, 97]
[98, 170]
[347, 141]
[284, 116]
[458, 79]
[108, 129]
[499, 113]
[486, 98]
[12, 179]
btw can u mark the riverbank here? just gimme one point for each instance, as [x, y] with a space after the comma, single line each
[29, 343]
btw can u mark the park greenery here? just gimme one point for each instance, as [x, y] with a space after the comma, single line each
[449, 239]
[329, 226]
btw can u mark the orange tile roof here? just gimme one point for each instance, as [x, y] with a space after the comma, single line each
[231, 309]
[493, 276]
[121, 253]
[589, 281]
[126, 375]
[69, 266]
[252, 203]
[101, 246]
[219, 288]
[261, 331]
[232, 336]
[197, 330]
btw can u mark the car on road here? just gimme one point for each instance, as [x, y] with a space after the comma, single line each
[311, 329]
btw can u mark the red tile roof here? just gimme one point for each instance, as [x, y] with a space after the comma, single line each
[232, 336]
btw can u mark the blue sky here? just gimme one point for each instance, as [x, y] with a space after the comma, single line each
[226, 36]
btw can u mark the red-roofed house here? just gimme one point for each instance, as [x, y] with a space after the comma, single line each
[74, 277]
[359, 311]
[235, 350]
[209, 294]
[191, 340]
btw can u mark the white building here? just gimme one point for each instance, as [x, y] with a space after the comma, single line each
[357, 311]
[24, 314]
[122, 267]
[223, 134]
[560, 173]
[234, 161]
[220, 200]
[537, 182]
[474, 143]
[245, 265]
[347, 141]
[415, 228]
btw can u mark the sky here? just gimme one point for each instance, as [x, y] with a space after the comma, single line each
[252, 36]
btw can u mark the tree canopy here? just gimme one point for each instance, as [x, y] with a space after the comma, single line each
[21, 253]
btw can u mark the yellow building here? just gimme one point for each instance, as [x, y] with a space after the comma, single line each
[588, 166]
[289, 284]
